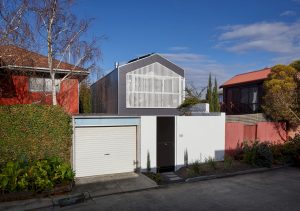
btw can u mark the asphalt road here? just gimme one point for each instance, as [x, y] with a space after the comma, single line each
[272, 190]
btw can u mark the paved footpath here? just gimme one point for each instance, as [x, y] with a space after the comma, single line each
[272, 190]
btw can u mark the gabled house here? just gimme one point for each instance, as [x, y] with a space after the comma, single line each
[147, 85]
[242, 100]
[242, 94]
[25, 79]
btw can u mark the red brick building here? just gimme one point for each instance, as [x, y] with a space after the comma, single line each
[25, 79]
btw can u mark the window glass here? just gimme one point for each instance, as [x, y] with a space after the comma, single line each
[42, 84]
[253, 95]
[244, 95]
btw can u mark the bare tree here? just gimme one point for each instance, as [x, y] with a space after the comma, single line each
[61, 34]
[14, 25]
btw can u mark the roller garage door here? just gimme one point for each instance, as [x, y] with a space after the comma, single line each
[104, 150]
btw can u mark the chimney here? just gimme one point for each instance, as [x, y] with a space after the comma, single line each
[116, 64]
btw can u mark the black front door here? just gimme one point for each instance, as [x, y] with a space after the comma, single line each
[165, 144]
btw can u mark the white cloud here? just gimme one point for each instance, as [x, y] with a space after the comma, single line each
[197, 68]
[288, 13]
[275, 37]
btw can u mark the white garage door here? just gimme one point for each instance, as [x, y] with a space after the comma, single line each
[104, 150]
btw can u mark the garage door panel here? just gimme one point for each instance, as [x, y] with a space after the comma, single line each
[104, 150]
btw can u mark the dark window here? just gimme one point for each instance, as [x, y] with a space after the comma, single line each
[243, 99]
[249, 99]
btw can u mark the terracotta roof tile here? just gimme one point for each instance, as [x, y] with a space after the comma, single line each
[248, 77]
[13, 55]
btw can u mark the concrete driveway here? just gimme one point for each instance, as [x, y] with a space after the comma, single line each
[272, 190]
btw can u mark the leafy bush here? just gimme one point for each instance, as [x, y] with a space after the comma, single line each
[228, 160]
[238, 152]
[34, 176]
[194, 168]
[257, 154]
[34, 132]
[211, 162]
[288, 152]
[13, 177]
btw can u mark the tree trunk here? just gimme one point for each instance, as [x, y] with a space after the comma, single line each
[50, 56]
[52, 72]
[53, 89]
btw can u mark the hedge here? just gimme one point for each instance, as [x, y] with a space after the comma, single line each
[34, 132]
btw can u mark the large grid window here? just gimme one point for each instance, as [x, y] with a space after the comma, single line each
[154, 86]
[42, 84]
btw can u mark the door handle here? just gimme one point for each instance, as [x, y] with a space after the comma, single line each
[107, 154]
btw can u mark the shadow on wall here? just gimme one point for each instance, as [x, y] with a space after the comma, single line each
[7, 87]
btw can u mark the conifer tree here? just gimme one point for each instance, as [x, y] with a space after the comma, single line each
[215, 98]
[209, 93]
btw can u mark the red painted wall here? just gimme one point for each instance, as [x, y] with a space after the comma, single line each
[271, 132]
[250, 132]
[67, 96]
[236, 133]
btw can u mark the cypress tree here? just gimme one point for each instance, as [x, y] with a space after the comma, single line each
[215, 98]
[209, 93]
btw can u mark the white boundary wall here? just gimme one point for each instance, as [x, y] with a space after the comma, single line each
[148, 141]
[201, 136]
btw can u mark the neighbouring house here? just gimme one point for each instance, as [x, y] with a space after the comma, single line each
[25, 79]
[220, 96]
[242, 94]
[147, 85]
[242, 100]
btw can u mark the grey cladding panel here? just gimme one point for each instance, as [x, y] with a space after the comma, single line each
[105, 94]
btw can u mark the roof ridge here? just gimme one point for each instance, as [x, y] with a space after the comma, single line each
[266, 68]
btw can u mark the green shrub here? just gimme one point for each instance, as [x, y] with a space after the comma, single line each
[34, 132]
[288, 152]
[211, 163]
[258, 154]
[278, 157]
[35, 176]
[39, 176]
[238, 152]
[13, 177]
[264, 156]
[228, 160]
[194, 168]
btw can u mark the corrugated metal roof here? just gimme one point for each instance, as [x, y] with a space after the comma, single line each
[248, 77]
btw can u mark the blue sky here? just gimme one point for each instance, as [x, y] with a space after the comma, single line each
[214, 36]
